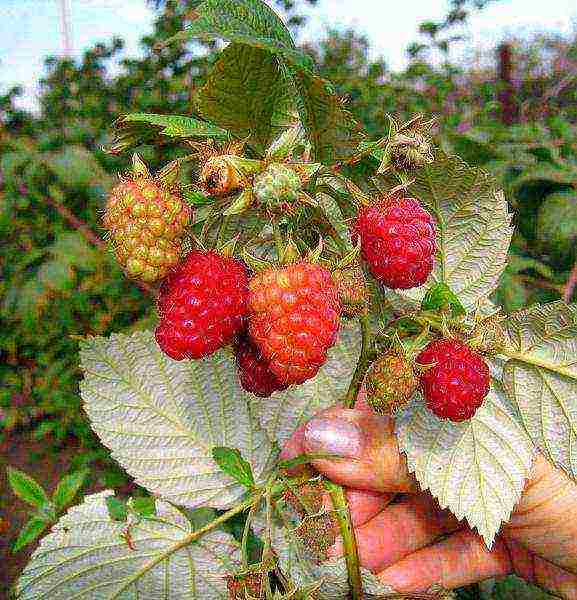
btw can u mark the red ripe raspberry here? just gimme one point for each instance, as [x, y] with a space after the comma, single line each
[397, 241]
[457, 383]
[254, 371]
[295, 316]
[202, 305]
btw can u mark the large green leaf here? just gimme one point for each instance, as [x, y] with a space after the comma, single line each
[476, 468]
[250, 22]
[243, 92]
[88, 555]
[333, 131]
[281, 414]
[162, 418]
[541, 378]
[474, 228]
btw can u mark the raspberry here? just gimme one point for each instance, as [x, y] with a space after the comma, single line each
[390, 383]
[295, 316]
[202, 305]
[455, 386]
[352, 289]
[146, 221]
[254, 371]
[277, 188]
[397, 241]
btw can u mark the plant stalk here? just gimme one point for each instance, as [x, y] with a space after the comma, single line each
[343, 516]
[362, 364]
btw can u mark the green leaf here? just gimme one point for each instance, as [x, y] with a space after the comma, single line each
[26, 488]
[161, 418]
[68, 487]
[540, 378]
[117, 509]
[232, 463]
[145, 506]
[473, 228]
[440, 297]
[88, 555]
[31, 531]
[333, 131]
[197, 198]
[242, 93]
[200, 517]
[476, 468]
[250, 22]
[138, 128]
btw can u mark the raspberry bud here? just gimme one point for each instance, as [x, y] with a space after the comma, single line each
[352, 290]
[410, 152]
[277, 188]
[202, 305]
[295, 316]
[146, 221]
[390, 383]
[455, 381]
[219, 177]
[397, 241]
[317, 527]
[247, 585]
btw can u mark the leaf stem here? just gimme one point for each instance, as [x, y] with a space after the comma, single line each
[189, 539]
[222, 231]
[343, 516]
[246, 531]
[362, 364]
[539, 362]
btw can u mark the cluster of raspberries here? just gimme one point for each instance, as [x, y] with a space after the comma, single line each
[281, 321]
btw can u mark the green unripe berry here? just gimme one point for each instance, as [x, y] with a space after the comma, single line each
[277, 188]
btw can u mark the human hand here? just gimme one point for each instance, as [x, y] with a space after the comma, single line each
[413, 544]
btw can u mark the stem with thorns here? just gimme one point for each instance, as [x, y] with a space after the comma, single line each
[362, 364]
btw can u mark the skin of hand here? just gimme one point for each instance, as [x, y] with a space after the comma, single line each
[411, 544]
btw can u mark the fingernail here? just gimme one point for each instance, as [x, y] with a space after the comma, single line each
[333, 436]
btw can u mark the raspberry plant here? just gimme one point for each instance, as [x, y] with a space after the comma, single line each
[291, 208]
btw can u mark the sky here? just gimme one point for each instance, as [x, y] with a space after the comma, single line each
[31, 29]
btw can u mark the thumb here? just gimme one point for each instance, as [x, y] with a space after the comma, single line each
[371, 459]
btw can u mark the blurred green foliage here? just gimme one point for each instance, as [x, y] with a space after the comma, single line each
[58, 281]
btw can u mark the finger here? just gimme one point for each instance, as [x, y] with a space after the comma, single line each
[384, 540]
[364, 504]
[459, 560]
[295, 444]
[537, 570]
[547, 506]
[370, 457]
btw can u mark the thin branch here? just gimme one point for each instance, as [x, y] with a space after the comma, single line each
[362, 365]
[76, 223]
[88, 234]
[569, 288]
